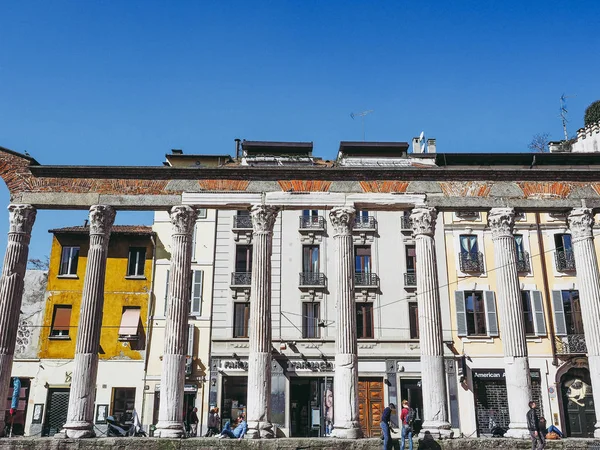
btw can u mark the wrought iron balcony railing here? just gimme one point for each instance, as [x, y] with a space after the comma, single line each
[471, 262]
[405, 223]
[410, 279]
[365, 223]
[523, 262]
[312, 223]
[565, 260]
[242, 222]
[571, 344]
[241, 278]
[365, 279]
[312, 279]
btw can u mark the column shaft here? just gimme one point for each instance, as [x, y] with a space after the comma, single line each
[172, 382]
[80, 417]
[259, 356]
[433, 373]
[581, 222]
[21, 219]
[345, 384]
[512, 327]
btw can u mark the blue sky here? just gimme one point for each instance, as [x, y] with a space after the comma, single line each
[123, 82]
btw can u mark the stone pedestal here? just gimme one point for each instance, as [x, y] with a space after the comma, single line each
[581, 221]
[21, 219]
[259, 356]
[172, 381]
[512, 329]
[433, 373]
[80, 417]
[346, 422]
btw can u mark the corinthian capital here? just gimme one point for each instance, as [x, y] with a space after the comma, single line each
[183, 219]
[21, 218]
[422, 220]
[263, 218]
[501, 221]
[342, 219]
[581, 222]
[102, 218]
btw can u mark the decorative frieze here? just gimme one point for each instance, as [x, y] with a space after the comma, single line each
[304, 185]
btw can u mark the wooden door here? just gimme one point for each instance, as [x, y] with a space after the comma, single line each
[370, 405]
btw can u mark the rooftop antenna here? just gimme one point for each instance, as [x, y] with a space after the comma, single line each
[563, 113]
[362, 116]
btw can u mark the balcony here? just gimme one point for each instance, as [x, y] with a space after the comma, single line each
[366, 280]
[565, 260]
[241, 279]
[410, 279]
[312, 223]
[242, 222]
[365, 223]
[312, 279]
[471, 262]
[572, 344]
[523, 263]
[405, 223]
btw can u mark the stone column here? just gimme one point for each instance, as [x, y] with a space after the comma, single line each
[21, 219]
[80, 417]
[581, 222]
[346, 423]
[172, 381]
[433, 373]
[512, 328]
[259, 356]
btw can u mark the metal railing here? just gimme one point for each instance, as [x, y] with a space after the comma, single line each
[366, 279]
[565, 260]
[410, 279]
[241, 278]
[364, 223]
[523, 262]
[571, 344]
[405, 223]
[242, 222]
[312, 279]
[312, 223]
[471, 262]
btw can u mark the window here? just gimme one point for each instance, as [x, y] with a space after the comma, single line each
[312, 213]
[470, 258]
[527, 313]
[565, 259]
[68, 261]
[413, 317]
[196, 295]
[61, 320]
[241, 314]
[563, 242]
[362, 260]
[364, 321]
[476, 313]
[411, 261]
[243, 258]
[572, 309]
[310, 259]
[194, 243]
[137, 261]
[520, 247]
[123, 404]
[201, 213]
[130, 322]
[310, 320]
[468, 244]
[533, 313]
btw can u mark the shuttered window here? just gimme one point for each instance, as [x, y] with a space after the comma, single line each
[190, 344]
[533, 313]
[492, 315]
[130, 321]
[476, 313]
[559, 314]
[61, 321]
[196, 294]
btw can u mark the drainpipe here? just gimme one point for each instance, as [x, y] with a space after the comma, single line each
[546, 289]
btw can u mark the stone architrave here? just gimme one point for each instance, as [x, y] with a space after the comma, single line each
[581, 222]
[172, 383]
[512, 328]
[21, 219]
[259, 355]
[346, 422]
[433, 373]
[80, 417]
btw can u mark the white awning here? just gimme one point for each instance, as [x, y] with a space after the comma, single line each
[129, 322]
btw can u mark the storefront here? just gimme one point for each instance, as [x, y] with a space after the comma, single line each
[16, 422]
[189, 402]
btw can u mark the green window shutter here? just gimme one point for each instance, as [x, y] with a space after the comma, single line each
[538, 313]
[559, 314]
[490, 310]
[461, 313]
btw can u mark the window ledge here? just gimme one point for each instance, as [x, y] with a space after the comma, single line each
[536, 339]
[484, 339]
[59, 338]
[68, 275]
[133, 338]
[135, 277]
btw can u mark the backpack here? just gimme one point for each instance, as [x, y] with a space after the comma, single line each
[410, 417]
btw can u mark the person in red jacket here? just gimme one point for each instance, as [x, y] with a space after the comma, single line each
[407, 416]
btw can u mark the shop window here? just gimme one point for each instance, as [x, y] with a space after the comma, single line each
[413, 316]
[61, 321]
[123, 404]
[241, 315]
[476, 313]
[310, 320]
[364, 320]
[68, 261]
[196, 294]
[130, 321]
[137, 260]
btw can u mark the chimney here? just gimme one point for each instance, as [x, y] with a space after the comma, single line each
[177, 151]
[416, 146]
[431, 146]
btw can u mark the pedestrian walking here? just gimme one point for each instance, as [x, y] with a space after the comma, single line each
[533, 425]
[385, 426]
[407, 418]
[193, 421]
[213, 423]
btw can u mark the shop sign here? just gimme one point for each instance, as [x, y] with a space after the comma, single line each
[234, 365]
[498, 374]
[313, 366]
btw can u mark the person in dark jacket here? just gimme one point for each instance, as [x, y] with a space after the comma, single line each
[533, 425]
[385, 426]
